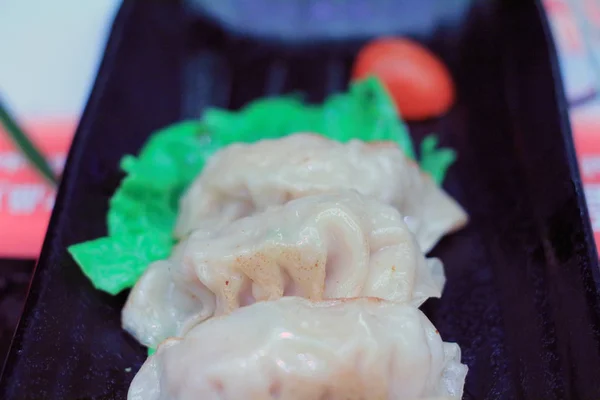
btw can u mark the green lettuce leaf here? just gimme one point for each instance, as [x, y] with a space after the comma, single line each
[143, 210]
[365, 112]
[434, 160]
[147, 199]
[115, 263]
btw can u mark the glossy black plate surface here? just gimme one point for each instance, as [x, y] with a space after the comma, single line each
[522, 295]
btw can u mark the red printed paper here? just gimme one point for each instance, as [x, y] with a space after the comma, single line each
[576, 29]
[26, 200]
[586, 133]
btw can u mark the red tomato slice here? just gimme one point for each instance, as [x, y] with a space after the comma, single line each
[417, 80]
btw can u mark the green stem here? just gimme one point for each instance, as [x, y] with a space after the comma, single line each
[33, 155]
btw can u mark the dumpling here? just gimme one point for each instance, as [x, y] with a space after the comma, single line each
[160, 306]
[326, 246]
[245, 178]
[294, 349]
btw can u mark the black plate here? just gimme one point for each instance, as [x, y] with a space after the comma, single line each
[522, 296]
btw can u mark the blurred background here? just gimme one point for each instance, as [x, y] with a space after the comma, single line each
[50, 51]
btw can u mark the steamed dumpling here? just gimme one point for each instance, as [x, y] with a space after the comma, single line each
[327, 246]
[293, 349]
[245, 178]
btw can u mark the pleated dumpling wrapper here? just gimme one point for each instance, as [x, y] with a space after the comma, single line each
[320, 247]
[295, 349]
[245, 178]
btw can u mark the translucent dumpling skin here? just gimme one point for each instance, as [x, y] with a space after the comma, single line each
[292, 349]
[339, 245]
[245, 178]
